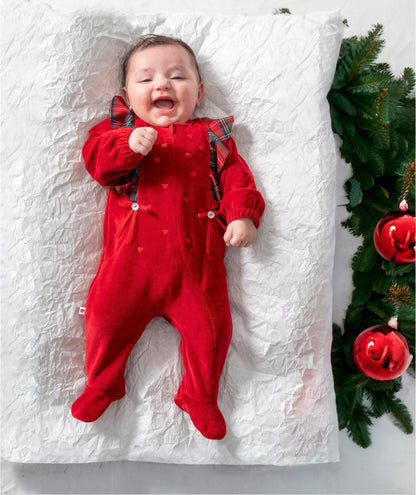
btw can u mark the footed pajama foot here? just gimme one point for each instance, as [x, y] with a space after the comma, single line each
[92, 403]
[207, 418]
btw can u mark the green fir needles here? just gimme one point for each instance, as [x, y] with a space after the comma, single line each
[373, 113]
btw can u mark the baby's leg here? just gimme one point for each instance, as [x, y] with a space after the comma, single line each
[92, 403]
[116, 316]
[205, 329]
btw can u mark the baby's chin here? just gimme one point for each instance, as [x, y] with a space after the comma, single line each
[165, 120]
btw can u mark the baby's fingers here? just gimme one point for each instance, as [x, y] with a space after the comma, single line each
[147, 141]
[150, 133]
[228, 235]
[232, 236]
[142, 139]
[240, 233]
[237, 241]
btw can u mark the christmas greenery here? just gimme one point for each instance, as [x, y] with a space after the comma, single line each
[373, 113]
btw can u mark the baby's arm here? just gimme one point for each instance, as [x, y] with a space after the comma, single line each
[108, 154]
[240, 233]
[242, 205]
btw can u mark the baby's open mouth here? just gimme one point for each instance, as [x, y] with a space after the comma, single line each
[164, 104]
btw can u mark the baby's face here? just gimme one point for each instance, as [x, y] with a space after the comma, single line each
[162, 85]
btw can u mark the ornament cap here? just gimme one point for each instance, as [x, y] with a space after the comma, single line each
[403, 205]
[393, 322]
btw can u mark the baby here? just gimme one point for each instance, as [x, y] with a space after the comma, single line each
[179, 193]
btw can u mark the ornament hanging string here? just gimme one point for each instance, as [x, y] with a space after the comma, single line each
[406, 186]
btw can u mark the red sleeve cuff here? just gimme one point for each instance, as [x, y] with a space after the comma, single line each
[243, 203]
[123, 148]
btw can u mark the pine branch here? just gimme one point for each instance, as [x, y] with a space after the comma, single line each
[369, 82]
[365, 258]
[373, 114]
[356, 54]
[401, 416]
[358, 425]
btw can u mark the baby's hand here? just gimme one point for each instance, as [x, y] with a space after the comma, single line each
[141, 140]
[240, 233]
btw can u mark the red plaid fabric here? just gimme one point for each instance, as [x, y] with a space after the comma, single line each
[127, 184]
[219, 131]
[121, 116]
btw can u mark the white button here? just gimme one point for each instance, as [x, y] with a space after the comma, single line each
[135, 206]
[211, 214]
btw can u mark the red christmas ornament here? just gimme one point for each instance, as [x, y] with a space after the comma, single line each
[381, 353]
[394, 237]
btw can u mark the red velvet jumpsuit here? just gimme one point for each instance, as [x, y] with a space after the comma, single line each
[163, 256]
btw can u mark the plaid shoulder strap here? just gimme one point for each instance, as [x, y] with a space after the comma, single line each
[121, 116]
[219, 131]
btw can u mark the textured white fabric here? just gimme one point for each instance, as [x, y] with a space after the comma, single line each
[272, 73]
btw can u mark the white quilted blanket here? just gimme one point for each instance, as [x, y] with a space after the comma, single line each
[272, 73]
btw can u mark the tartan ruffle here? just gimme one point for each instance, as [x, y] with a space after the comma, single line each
[219, 131]
[121, 115]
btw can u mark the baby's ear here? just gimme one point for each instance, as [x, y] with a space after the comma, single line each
[200, 94]
[125, 96]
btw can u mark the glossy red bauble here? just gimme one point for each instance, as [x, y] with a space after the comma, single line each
[394, 237]
[381, 353]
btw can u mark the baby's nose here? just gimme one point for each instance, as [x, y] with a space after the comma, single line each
[162, 83]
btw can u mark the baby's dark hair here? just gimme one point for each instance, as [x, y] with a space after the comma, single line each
[149, 40]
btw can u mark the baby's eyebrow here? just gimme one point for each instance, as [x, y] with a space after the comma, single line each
[146, 69]
[177, 67]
